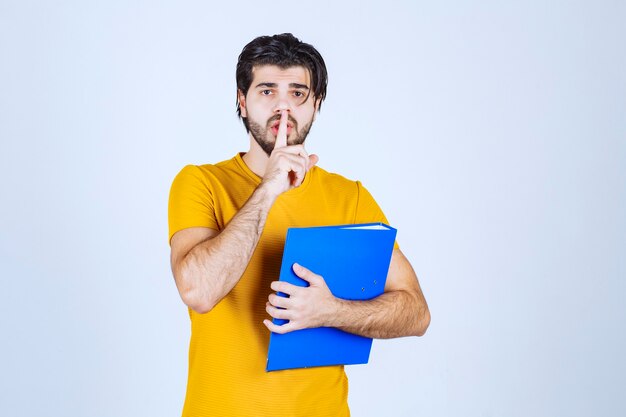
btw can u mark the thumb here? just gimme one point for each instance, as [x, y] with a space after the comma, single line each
[313, 159]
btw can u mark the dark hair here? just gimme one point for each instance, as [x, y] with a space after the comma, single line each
[284, 51]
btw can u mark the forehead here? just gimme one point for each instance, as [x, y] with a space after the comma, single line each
[278, 75]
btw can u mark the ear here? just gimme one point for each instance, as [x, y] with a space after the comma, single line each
[242, 103]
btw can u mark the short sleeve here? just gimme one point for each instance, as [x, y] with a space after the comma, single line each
[368, 210]
[191, 202]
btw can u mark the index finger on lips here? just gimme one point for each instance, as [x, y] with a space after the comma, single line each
[281, 136]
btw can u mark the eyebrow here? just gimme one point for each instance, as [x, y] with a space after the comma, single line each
[291, 85]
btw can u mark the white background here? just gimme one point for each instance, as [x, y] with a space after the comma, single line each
[492, 134]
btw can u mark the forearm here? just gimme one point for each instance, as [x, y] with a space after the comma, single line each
[212, 268]
[400, 311]
[392, 314]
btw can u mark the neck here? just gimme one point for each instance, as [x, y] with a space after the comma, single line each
[256, 158]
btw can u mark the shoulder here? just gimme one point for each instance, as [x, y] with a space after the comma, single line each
[211, 169]
[205, 173]
[332, 179]
[337, 182]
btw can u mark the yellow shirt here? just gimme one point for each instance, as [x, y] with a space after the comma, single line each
[228, 348]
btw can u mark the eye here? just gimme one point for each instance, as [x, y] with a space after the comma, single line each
[266, 92]
[298, 94]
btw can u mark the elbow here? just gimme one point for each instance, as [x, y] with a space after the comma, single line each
[196, 301]
[194, 297]
[422, 322]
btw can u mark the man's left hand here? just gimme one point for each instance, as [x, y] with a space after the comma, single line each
[306, 307]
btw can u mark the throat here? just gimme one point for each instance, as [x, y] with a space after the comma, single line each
[256, 160]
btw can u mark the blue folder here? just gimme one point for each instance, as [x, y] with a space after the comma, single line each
[354, 261]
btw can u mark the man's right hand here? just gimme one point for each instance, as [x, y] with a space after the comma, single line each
[288, 164]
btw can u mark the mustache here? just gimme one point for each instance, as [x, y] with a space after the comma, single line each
[277, 117]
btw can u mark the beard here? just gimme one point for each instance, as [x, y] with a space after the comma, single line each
[263, 136]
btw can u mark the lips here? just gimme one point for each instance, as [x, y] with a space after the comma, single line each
[274, 129]
[275, 125]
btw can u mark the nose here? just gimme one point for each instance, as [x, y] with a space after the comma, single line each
[282, 103]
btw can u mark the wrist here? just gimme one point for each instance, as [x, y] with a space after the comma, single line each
[267, 191]
[336, 312]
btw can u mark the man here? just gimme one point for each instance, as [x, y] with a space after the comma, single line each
[227, 230]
